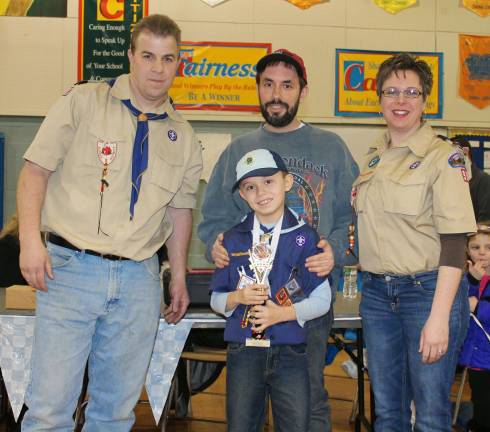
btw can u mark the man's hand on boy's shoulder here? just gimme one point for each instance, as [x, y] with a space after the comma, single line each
[322, 263]
[219, 253]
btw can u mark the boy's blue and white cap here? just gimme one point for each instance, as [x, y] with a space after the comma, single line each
[258, 163]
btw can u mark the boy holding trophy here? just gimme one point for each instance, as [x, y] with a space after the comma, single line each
[267, 294]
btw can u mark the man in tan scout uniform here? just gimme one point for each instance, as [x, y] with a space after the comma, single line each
[111, 175]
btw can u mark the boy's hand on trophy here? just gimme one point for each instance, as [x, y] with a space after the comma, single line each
[253, 294]
[271, 313]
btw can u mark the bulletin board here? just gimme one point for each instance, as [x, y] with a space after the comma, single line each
[480, 145]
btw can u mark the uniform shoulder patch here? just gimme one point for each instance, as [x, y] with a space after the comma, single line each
[456, 160]
[374, 161]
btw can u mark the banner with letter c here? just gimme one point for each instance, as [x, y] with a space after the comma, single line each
[104, 31]
[355, 82]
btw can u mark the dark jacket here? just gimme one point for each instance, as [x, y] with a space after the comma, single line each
[480, 193]
[476, 348]
[9, 262]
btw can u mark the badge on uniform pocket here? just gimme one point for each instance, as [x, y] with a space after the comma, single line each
[290, 293]
[294, 290]
[244, 280]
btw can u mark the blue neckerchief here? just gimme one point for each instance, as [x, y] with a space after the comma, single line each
[140, 148]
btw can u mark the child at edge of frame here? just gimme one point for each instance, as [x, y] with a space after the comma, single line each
[475, 354]
[259, 293]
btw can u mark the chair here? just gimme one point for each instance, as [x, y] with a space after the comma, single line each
[82, 402]
[459, 395]
[204, 354]
[346, 342]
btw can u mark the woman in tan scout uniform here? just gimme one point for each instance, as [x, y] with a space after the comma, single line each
[414, 209]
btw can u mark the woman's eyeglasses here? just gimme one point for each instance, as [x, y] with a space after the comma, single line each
[393, 92]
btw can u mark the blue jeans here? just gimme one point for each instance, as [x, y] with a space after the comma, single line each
[394, 310]
[96, 309]
[317, 332]
[253, 374]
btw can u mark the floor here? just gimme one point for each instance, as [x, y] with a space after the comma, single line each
[208, 406]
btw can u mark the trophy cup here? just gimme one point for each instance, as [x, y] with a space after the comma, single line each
[260, 263]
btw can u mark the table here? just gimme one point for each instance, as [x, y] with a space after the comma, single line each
[16, 337]
[347, 317]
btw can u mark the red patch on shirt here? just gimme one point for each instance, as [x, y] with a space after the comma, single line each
[353, 196]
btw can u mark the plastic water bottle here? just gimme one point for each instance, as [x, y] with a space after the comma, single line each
[350, 282]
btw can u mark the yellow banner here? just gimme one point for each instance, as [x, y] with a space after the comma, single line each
[394, 6]
[305, 4]
[480, 7]
[218, 76]
[474, 69]
[355, 82]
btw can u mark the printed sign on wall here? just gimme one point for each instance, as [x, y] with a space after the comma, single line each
[104, 30]
[218, 76]
[474, 69]
[480, 7]
[355, 82]
[33, 8]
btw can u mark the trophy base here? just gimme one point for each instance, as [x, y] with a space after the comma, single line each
[260, 343]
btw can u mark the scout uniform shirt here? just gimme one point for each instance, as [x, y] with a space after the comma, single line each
[90, 129]
[405, 197]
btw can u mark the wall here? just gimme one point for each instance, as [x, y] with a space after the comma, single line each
[42, 52]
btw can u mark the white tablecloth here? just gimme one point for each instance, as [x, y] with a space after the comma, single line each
[16, 337]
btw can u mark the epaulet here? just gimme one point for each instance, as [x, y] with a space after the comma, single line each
[68, 91]
[172, 103]
[453, 143]
[444, 137]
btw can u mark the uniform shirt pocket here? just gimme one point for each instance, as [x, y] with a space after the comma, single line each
[168, 169]
[403, 195]
[104, 148]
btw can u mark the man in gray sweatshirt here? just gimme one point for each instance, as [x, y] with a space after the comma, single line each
[323, 171]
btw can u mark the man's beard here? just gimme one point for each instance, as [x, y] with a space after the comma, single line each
[279, 121]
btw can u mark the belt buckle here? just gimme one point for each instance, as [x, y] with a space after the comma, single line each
[111, 257]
